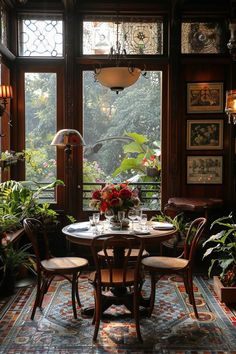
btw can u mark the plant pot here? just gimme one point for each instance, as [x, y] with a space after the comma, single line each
[152, 172]
[225, 294]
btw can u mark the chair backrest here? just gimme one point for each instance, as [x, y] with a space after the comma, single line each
[36, 233]
[122, 261]
[194, 233]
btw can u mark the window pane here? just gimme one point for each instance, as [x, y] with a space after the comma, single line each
[40, 37]
[40, 126]
[4, 27]
[108, 118]
[135, 37]
[199, 37]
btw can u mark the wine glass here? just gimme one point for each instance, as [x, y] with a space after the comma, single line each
[109, 213]
[121, 216]
[132, 216]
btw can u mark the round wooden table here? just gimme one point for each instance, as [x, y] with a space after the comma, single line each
[80, 237]
[84, 237]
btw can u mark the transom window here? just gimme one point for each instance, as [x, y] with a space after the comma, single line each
[135, 36]
[40, 37]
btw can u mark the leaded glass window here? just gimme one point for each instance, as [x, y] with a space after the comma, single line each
[40, 37]
[136, 37]
[3, 29]
[202, 38]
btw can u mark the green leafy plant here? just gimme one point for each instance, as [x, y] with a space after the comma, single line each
[222, 247]
[22, 199]
[139, 154]
[179, 221]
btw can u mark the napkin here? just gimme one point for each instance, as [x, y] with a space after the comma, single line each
[77, 227]
[162, 226]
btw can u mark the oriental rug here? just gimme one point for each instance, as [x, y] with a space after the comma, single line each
[172, 328]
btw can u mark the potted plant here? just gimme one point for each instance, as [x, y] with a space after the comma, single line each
[181, 225]
[221, 246]
[11, 258]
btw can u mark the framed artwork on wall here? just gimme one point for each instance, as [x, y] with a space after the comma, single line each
[204, 169]
[205, 134]
[205, 97]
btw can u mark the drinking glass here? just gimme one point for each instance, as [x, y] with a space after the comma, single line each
[143, 222]
[96, 219]
[121, 216]
[132, 216]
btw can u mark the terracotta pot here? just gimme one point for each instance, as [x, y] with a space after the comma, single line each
[225, 294]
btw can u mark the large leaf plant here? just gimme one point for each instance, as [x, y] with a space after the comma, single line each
[222, 249]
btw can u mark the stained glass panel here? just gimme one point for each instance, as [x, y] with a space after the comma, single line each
[40, 37]
[135, 37]
[202, 38]
[3, 29]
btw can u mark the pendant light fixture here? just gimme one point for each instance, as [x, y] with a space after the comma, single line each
[123, 74]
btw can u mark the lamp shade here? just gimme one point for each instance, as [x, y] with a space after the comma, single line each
[6, 91]
[118, 77]
[230, 105]
[68, 137]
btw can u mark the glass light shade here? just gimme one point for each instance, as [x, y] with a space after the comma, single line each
[230, 105]
[118, 77]
[6, 91]
[68, 137]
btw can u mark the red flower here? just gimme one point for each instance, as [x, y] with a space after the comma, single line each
[96, 194]
[104, 206]
[125, 193]
[115, 202]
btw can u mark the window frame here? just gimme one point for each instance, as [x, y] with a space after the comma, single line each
[20, 124]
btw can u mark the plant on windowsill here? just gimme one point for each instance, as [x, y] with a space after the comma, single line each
[221, 246]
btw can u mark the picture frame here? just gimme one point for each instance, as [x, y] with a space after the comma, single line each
[205, 134]
[204, 169]
[205, 97]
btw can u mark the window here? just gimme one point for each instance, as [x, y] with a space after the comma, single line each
[136, 37]
[109, 119]
[40, 37]
[202, 38]
[40, 126]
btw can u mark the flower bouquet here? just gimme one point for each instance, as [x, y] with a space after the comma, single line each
[117, 197]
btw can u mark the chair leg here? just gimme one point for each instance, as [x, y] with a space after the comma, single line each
[186, 285]
[136, 298]
[191, 294]
[37, 297]
[77, 290]
[98, 313]
[73, 293]
[153, 293]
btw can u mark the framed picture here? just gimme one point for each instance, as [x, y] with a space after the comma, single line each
[204, 169]
[205, 134]
[205, 97]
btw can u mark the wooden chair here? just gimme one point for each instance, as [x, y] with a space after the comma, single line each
[183, 265]
[117, 274]
[48, 266]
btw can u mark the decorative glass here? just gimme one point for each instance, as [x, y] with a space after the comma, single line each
[136, 38]
[40, 37]
[202, 38]
[4, 27]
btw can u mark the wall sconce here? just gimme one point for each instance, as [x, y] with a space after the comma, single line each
[230, 106]
[5, 93]
[68, 138]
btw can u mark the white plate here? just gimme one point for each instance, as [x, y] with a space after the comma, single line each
[162, 226]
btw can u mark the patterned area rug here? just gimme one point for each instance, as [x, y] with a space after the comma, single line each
[172, 327]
